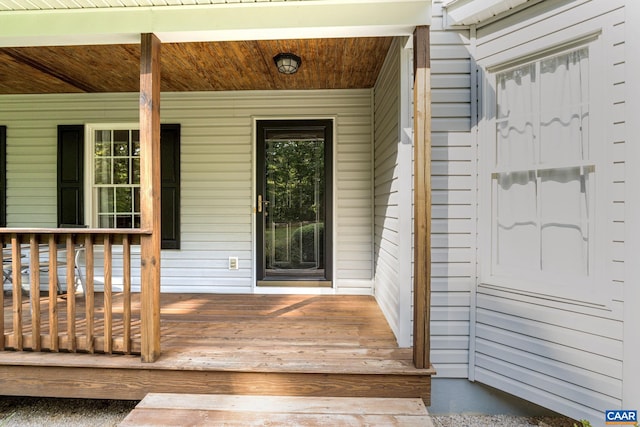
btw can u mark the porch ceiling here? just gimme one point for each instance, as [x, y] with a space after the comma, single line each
[334, 63]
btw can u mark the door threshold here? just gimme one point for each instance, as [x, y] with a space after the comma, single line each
[296, 283]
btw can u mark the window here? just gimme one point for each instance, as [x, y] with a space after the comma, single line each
[115, 183]
[543, 171]
[111, 179]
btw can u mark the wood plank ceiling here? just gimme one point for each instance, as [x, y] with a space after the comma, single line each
[345, 63]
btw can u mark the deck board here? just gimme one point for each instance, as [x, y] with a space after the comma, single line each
[232, 344]
[159, 409]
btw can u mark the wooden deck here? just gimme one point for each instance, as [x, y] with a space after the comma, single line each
[173, 410]
[279, 345]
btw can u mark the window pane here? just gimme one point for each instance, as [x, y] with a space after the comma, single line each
[135, 143]
[105, 221]
[120, 143]
[124, 221]
[102, 171]
[121, 171]
[105, 200]
[135, 178]
[516, 121]
[564, 107]
[136, 199]
[564, 221]
[124, 202]
[102, 143]
[516, 221]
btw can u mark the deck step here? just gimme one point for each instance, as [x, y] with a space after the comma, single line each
[170, 409]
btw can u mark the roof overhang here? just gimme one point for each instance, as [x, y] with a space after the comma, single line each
[473, 12]
[220, 22]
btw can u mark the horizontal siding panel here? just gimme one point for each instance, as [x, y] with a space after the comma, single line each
[445, 240]
[450, 314]
[449, 52]
[442, 109]
[457, 255]
[451, 357]
[571, 356]
[449, 370]
[441, 67]
[547, 366]
[452, 211]
[450, 299]
[459, 197]
[449, 328]
[450, 95]
[451, 284]
[548, 384]
[449, 38]
[449, 343]
[451, 81]
[452, 270]
[578, 322]
[580, 341]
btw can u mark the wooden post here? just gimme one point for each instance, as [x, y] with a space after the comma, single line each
[422, 196]
[150, 196]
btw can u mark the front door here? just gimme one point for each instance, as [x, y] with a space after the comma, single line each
[293, 206]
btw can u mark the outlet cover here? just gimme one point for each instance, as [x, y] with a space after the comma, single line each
[233, 263]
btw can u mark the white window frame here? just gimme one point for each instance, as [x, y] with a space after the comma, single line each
[91, 195]
[590, 289]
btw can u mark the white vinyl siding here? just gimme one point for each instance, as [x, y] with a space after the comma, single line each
[392, 193]
[217, 153]
[539, 344]
[453, 199]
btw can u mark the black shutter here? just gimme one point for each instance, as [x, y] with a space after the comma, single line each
[170, 196]
[3, 176]
[71, 175]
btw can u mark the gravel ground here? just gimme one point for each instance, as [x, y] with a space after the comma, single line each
[500, 421]
[50, 412]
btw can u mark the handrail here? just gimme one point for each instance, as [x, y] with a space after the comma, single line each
[105, 324]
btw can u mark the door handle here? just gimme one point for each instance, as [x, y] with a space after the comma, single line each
[261, 204]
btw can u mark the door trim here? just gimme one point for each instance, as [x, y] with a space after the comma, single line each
[258, 264]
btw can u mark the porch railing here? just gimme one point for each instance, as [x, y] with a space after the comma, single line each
[78, 318]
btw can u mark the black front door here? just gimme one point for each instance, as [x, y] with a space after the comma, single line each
[293, 206]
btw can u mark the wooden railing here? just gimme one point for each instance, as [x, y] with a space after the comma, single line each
[68, 320]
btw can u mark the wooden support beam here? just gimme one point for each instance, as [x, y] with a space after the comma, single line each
[422, 196]
[150, 196]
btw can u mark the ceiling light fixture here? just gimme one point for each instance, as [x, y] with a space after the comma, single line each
[287, 63]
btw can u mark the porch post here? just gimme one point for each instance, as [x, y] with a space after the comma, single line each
[422, 196]
[150, 196]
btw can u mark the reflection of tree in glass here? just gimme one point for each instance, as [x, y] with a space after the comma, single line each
[295, 177]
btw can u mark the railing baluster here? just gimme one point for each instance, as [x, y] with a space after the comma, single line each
[53, 294]
[71, 300]
[108, 307]
[126, 309]
[88, 290]
[34, 291]
[16, 273]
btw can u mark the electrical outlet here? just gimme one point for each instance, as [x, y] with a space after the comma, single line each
[233, 263]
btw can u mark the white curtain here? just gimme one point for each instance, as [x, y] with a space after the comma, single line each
[515, 121]
[564, 110]
[564, 221]
[516, 219]
[542, 200]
